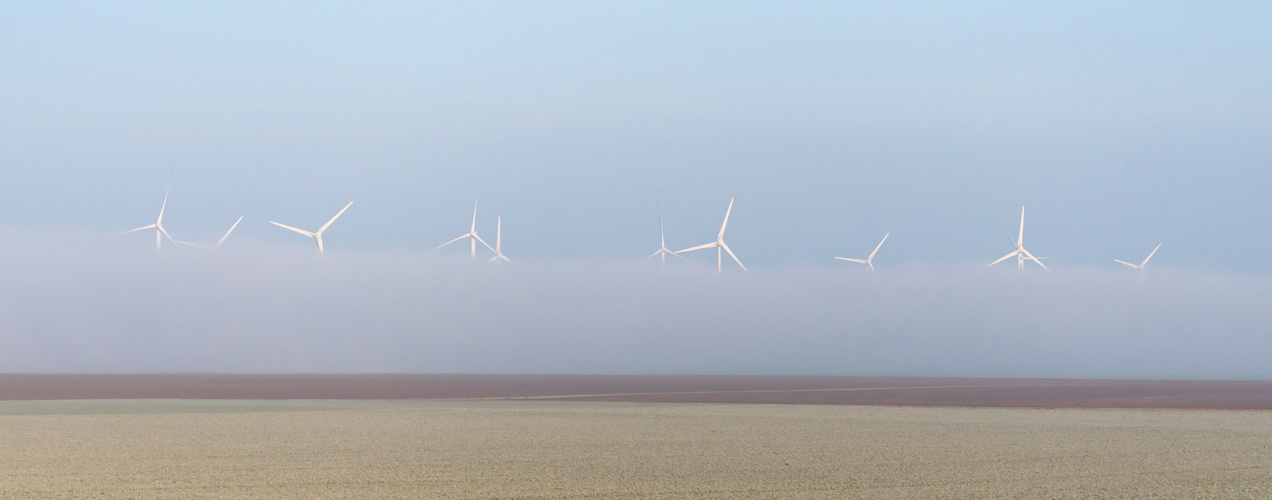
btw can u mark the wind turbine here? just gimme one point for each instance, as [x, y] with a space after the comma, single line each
[316, 235]
[160, 232]
[1141, 264]
[719, 243]
[471, 235]
[663, 251]
[1020, 253]
[869, 261]
[227, 233]
[498, 231]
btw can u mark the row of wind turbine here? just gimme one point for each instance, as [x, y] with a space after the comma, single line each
[1022, 255]
[721, 247]
[161, 233]
[473, 239]
[718, 244]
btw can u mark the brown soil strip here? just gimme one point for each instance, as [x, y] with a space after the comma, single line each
[739, 389]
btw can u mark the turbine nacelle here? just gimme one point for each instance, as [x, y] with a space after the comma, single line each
[868, 261]
[1020, 253]
[471, 235]
[719, 244]
[1140, 266]
[160, 232]
[316, 235]
[663, 251]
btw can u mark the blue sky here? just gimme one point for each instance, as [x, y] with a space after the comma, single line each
[1120, 126]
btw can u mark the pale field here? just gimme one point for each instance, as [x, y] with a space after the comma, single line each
[377, 449]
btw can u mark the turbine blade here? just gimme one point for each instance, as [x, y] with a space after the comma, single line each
[186, 243]
[699, 247]
[661, 237]
[655, 254]
[1150, 255]
[859, 261]
[1020, 240]
[318, 238]
[735, 257]
[876, 250]
[473, 228]
[1035, 259]
[333, 219]
[674, 254]
[1005, 235]
[439, 247]
[152, 226]
[227, 233]
[478, 238]
[1005, 257]
[165, 203]
[301, 231]
[1133, 266]
[726, 220]
[165, 233]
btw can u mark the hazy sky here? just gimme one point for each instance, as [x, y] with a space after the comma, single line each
[1119, 125]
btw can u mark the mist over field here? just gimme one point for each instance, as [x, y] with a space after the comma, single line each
[79, 301]
[588, 127]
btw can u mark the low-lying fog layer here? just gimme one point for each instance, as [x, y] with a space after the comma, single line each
[86, 304]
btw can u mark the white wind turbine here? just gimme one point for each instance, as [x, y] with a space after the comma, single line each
[869, 261]
[498, 252]
[663, 251]
[1020, 253]
[1141, 265]
[719, 243]
[160, 232]
[471, 235]
[316, 235]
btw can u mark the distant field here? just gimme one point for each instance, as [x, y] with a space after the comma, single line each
[766, 389]
[450, 449]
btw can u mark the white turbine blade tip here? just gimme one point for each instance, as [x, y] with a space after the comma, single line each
[227, 233]
[301, 231]
[439, 247]
[1005, 257]
[699, 247]
[333, 219]
[152, 226]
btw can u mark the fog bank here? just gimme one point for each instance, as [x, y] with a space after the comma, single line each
[68, 306]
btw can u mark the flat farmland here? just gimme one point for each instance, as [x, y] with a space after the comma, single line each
[739, 389]
[552, 449]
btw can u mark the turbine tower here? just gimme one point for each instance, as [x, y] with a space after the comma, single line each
[316, 235]
[663, 251]
[1141, 265]
[498, 252]
[1020, 253]
[719, 244]
[869, 261]
[471, 235]
[160, 232]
